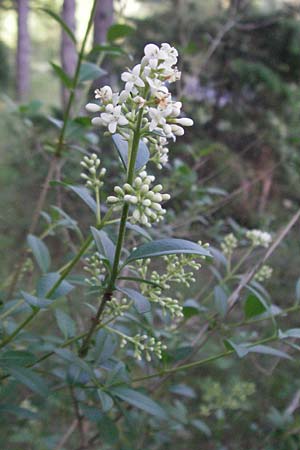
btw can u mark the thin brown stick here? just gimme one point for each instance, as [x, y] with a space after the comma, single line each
[67, 435]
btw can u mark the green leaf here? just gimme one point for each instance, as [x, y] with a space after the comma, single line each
[64, 77]
[113, 50]
[65, 323]
[13, 358]
[254, 306]
[40, 252]
[139, 230]
[61, 23]
[192, 308]
[105, 346]
[297, 291]
[90, 71]
[291, 333]
[85, 195]
[241, 350]
[140, 401]
[105, 399]
[167, 247]
[104, 244]
[121, 145]
[46, 283]
[201, 426]
[264, 349]
[118, 31]
[74, 359]
[184, 390]
[30, 379]
[22, 413]
[221, 298]
[245, 348]
[36, 302]
[141, 303]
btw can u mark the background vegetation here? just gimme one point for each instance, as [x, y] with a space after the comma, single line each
[238, 168]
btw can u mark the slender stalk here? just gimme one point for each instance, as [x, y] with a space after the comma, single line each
[121, 235]
[63, 275]
[58, 151]
[201, 362]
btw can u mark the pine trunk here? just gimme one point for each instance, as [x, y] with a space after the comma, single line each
[23, 51]
[68, 50]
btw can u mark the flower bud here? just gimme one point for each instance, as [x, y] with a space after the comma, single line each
[92, 107]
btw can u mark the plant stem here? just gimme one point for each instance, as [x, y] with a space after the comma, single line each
[201, 362]
[63, 275]
[121, 235]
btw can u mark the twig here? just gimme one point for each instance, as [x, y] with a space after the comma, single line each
[67, 435]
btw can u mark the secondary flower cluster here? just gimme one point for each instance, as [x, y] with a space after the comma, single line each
[264, 273]
[176, 271]
[145, 200]
[144, 344]
[259, 238]
[94, 266]
[94, 176]
[229, 244]
[145, 88]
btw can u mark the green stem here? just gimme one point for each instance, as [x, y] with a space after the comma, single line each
[201, 362]
[59, 147]
[121, 235]
[63, 275]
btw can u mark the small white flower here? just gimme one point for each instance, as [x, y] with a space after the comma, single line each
[155, 85]
[158, 117]
[133, 79]
[259, 238]
[105, 94]
[140, 101]
[185, 121]
[92, 107]
[112, 117]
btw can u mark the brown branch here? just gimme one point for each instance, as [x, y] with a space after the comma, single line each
[67, 435]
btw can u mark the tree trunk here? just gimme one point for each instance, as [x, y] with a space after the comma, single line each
[23, 51]
[104, 17]
[67, 50]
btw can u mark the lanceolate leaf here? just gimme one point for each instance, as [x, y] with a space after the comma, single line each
[90, 71]
[61, 23]
[104, 244]
[30, 379]
[119, 30]
[141, 303]
[140, 401]
[167, 247]
[221, 300]
[122, 147]
[40, 252]
[85, 195]
[65, 323]
[14, 358]
[47, 281]
[64, 77]
[254, 306]
[36, 302]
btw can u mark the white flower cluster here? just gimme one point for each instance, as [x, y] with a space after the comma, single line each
[145, 87]
[259, 238]
[264, 273]
[175, 272]
[95, 267]
[93, 179]
[146, 201]
[116, 307]
[229, 244]
[144, 344]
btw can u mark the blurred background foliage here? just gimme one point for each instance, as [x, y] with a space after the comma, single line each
[239, 166]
